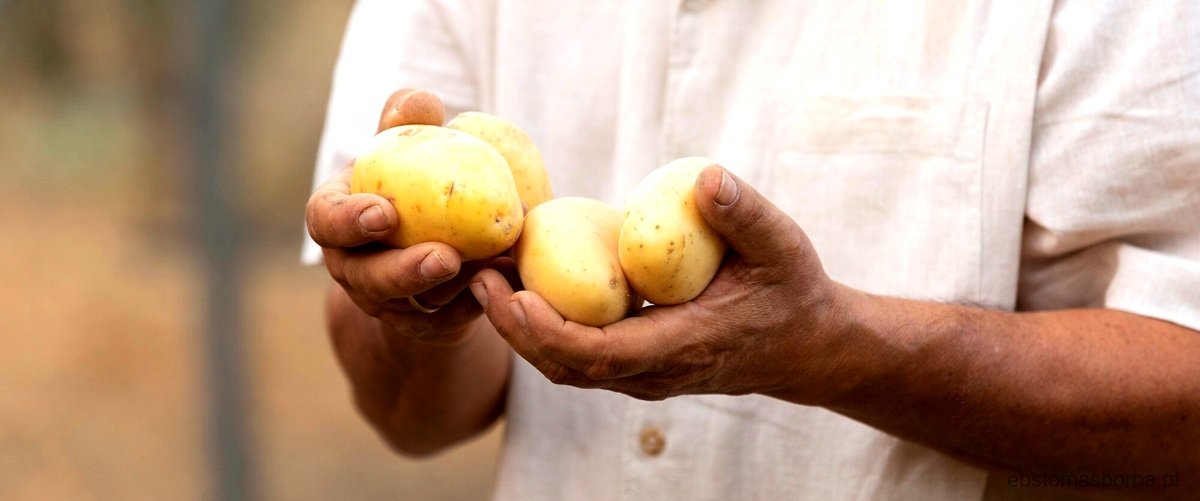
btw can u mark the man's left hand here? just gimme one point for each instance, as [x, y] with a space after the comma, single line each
[770, 322]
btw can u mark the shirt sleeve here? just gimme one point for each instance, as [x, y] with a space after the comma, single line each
[390, 45]
[1113, 208]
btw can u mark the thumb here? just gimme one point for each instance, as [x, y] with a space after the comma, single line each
[754, 227]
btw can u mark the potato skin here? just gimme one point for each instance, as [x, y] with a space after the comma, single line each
[568, 254]
[447, 186]
[669, 253]
[523, 157]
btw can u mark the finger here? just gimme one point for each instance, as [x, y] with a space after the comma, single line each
[537, 332]
[493, 291]
[411, 106]
[446, 291]
[754, 227]
[397, 273]
[336, 218]
[625, 348]
[649, 386]
[507, 266]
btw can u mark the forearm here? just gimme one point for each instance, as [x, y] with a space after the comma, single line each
[420, 396]
[1064, 392]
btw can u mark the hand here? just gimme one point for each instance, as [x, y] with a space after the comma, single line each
[767, 323]
[381, 280]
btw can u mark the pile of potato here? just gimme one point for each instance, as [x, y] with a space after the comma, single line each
[464, 184]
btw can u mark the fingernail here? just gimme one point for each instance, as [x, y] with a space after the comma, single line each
[432, 267]
[728, 191]
[518, 312]
[480, 292]
[372, 219]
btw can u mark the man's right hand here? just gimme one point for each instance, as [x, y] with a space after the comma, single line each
[424, 380]
[379, 279]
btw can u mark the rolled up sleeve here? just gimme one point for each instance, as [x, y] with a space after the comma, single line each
[1113, 207]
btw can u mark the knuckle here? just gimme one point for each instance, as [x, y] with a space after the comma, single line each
[312, 218]
[557, 373]
[396, 282]
[371, 291]
[657, 396]
[657, 392]
[323, 198]
[341, 280]
[321, 215]
[695, 356]
[599, 369]
[315, 234]
[793, 242]
[371, 308]
[366, 277]
[314, 200]
[649, 395]
[336, 265]
[358, 280]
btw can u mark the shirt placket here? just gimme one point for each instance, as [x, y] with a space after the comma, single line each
[681, 59]
[650, 432]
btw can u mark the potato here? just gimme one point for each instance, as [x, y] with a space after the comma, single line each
[568, 254]
[518, 149]
[669, 253]
[447, 186]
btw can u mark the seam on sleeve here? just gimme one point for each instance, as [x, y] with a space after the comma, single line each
[1156, 285]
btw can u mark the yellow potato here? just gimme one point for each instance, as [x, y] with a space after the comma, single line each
[447, 186]
[568, 254]
[669, 253]
[518, 149]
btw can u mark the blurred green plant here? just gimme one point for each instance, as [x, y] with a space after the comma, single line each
[81, 91]
[91, 95]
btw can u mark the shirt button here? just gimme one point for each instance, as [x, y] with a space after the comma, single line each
[652, 441]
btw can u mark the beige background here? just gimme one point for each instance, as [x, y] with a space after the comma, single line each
[101, 382]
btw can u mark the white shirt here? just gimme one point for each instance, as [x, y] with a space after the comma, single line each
[1021, 155]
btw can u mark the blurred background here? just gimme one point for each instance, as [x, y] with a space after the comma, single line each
[160, 338]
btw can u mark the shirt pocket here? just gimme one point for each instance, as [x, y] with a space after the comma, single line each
[888, 188]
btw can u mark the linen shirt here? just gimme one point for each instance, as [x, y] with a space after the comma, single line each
[1018, 155]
